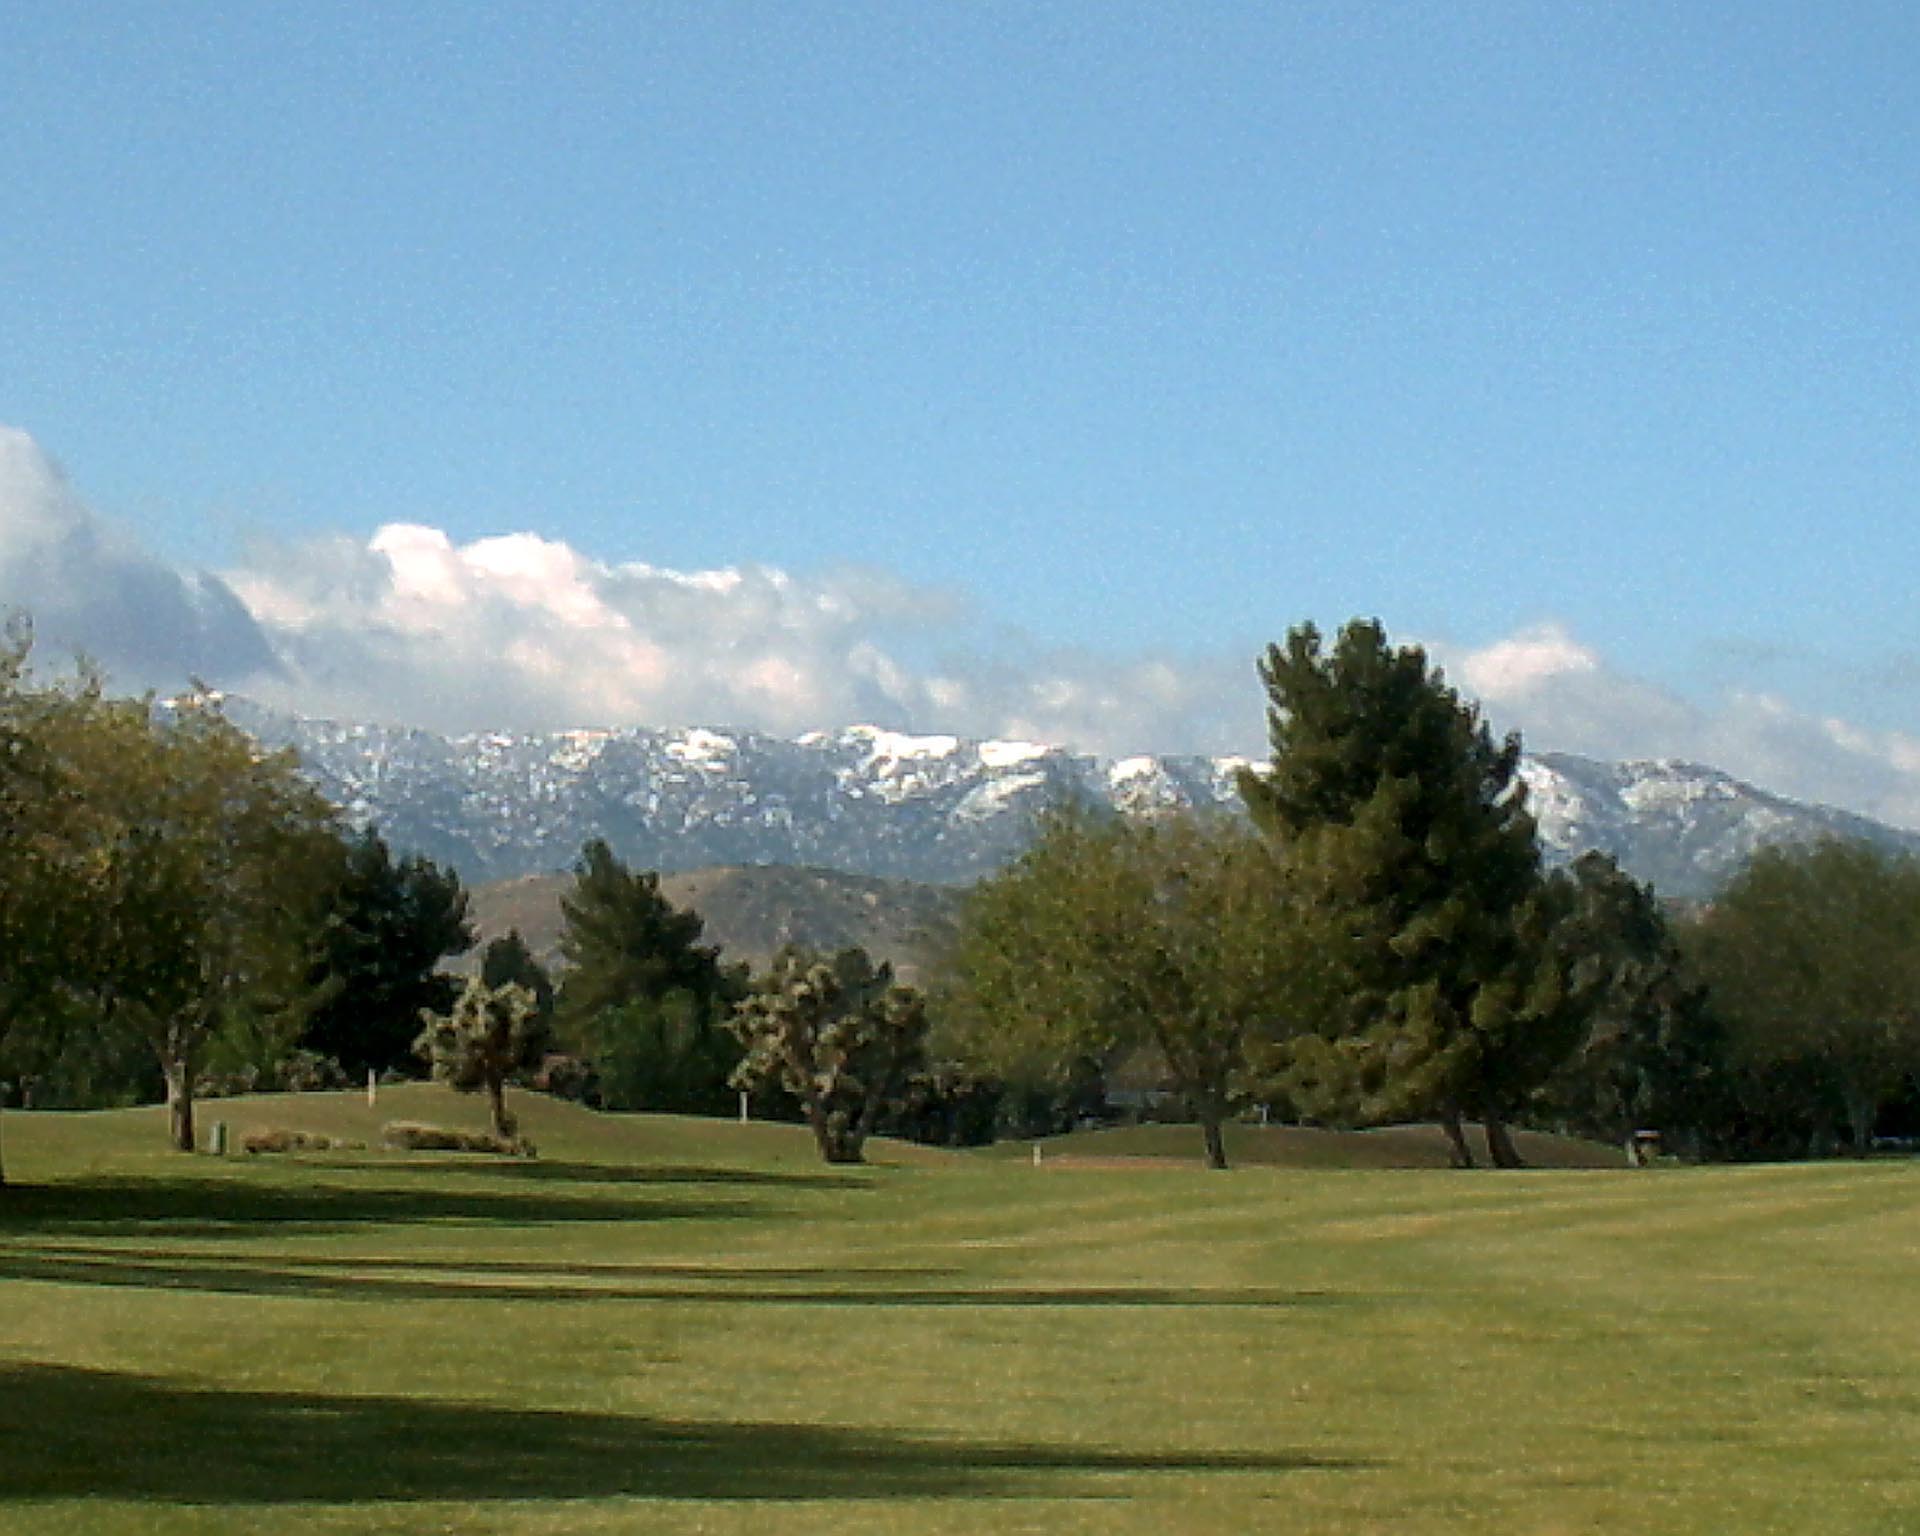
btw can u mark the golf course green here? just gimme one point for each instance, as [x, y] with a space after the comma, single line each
[675, 1325]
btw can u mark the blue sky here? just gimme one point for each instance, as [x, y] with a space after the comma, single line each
[1015, 352]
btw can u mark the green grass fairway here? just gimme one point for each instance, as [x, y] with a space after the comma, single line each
[675, 1326]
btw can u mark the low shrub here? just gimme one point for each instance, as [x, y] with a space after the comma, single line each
[279, 1139]
[412, 1136]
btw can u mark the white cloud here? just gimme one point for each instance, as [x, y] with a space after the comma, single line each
[1564, 697]
[91, 589]
[525, 632]
[522, 632]
[1525, 663]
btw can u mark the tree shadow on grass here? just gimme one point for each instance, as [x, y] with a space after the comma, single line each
[71, 1433]
[227, 1207]
[462, 1279]
[543, 1170]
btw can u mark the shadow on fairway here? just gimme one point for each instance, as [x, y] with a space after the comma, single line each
[463, 1279]
[77, 1433]
[226, 1207]
[541, 1170]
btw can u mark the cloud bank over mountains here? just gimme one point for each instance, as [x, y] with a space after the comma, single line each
[92, 589]
[522, 632]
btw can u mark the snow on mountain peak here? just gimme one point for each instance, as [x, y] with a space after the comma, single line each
[703, 748]
[1010, 754]
[897, 746]
[923, 807]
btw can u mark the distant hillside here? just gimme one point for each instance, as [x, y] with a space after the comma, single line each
[750, 911]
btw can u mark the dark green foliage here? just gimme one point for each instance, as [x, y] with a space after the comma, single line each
[669, 1053]
[1397, 806]
[1812, 954]
[643, 1001]
[1654, 1053]
[52, 875]
[489, 1034]
[388, 926]
[947, 1104]
[839, 1035]
[623, 939]
[159, 877]
[507, 959]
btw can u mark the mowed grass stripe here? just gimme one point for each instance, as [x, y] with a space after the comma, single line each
[679, 1325]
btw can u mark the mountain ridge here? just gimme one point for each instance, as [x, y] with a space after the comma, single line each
[933, 809]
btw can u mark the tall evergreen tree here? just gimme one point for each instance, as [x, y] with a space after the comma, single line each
[389, 924]
[1392, 791]
[508, 959]
[642, 999]
[1653, 1051]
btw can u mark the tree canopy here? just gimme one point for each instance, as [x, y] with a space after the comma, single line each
[388, 924]
[1813, 957]
[216, 858]
[1177, 934]
[1408, 821]
[643, 1000]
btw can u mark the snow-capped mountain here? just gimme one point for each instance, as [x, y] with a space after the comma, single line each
[929, 808]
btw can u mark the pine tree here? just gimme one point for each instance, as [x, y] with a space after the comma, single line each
[388, 926]
[643, 1001]
[1390, 791]
[508, 958]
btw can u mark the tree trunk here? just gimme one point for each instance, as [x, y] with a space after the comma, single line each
[1500, 1147]
[1862, 1114]
[834, 1142]
[503, 1126]
[1216, 1142]
[1459, 1154]
[179, 1104]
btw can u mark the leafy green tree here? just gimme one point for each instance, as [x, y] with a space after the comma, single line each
[1812, 955]
[215, 859]
[642, 1000]
[1395, 802]
[840, 1035]
[388, 925]
[489, 1034]
[50, 836]
[1176, 932]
